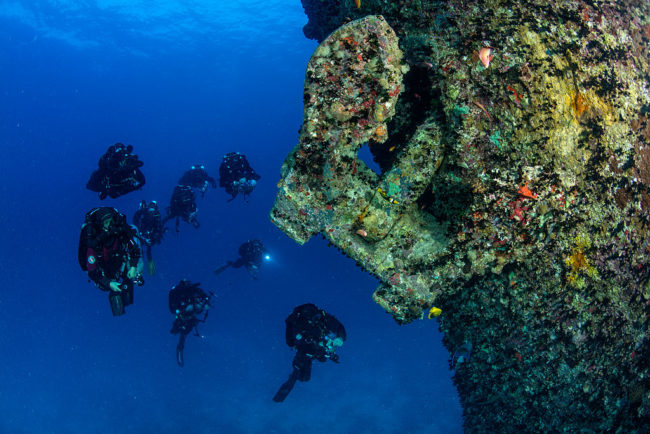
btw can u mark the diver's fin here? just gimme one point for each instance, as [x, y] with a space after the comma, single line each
[223, 267]
[117, 304]
[284, 390]
[179, 350]
[179, 357]
[151, 266]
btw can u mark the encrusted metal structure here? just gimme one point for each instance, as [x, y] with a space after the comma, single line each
[514, 195]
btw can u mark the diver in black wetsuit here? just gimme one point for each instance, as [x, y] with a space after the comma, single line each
[110, 253]
[251, 255]
[197, 177]
[182, 206]
[187, 301]
[118, 173]
[315, 335]
[237, 176]
[151, 229]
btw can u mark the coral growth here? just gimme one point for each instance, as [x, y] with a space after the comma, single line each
[578, 264]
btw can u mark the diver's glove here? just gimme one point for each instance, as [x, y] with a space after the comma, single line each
[131, 273]
[115, 286]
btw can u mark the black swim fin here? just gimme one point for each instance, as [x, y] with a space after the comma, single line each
[223, 267]
[179, 350]
[151, 265]
[117, 303]
[286, 388]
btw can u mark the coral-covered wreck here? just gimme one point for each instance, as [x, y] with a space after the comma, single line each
[514, 142]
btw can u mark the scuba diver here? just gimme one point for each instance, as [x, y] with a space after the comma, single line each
[118, 174]
[182, 206]
[150, 228]
[187, 301]
[197, 177]
[109, 251]
[251, 255]
[314, 334]
[236, 175]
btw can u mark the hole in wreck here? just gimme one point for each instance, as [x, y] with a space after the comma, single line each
[447, 199]
[366, 156]
[419, 101]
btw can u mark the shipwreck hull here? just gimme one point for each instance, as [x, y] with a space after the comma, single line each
[514, 194]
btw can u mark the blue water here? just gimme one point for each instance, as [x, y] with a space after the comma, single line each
[184, 83]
